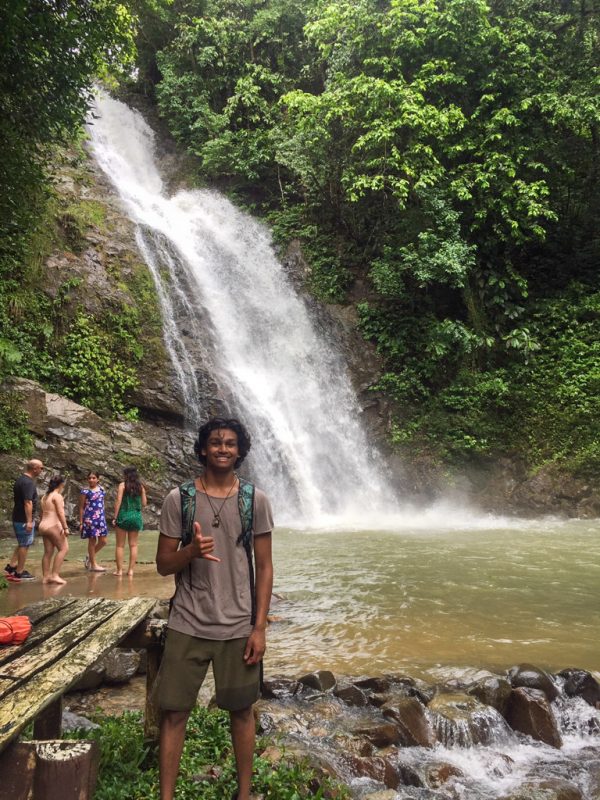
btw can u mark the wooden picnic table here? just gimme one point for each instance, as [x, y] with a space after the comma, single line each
[68, 635]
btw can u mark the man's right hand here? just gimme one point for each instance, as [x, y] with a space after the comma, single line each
[203, 545]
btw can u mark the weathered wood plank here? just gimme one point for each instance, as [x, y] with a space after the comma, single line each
[26, 701]
[44, 608]
[48, 625]
[55, 647]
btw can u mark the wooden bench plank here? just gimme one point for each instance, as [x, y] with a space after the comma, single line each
[44, 608]
[48, 625]
[56, 646]
[25, 702]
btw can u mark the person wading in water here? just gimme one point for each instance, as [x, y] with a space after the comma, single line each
[211, 529]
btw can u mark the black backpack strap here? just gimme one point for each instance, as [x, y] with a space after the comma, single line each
[246, 509]
[187, 495]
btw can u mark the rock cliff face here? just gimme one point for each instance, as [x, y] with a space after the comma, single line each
[72, 440]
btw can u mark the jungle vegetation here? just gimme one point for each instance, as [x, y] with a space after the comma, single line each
[437, 159]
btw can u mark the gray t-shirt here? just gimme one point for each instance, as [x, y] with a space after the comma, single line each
[213, 599]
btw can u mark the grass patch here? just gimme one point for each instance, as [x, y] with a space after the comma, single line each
[129, 767]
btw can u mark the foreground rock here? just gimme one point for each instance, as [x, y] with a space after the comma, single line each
[529, 712]
[390, 733]
[433, 742]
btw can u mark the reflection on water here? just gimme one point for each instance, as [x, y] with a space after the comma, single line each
[424, 601]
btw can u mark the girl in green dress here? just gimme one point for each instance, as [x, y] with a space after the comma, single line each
[131, 498]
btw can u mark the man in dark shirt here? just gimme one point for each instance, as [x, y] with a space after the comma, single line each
[25, 497]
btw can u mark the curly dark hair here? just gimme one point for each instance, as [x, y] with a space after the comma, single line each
[218, 423]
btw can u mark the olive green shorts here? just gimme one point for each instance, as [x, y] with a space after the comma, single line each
[185, 663]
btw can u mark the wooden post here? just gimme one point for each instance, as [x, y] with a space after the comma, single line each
[66, 770]
[152, 712]
[17, 767]
[54, 770]
[48, 723]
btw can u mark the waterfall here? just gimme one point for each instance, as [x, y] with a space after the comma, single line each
[221, 286]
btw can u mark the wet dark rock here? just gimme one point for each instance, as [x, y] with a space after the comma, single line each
[381, 735]
[409, 775]
[492, 691]
[379, 684]
[439, 774]
[265, 724]
[594, 781]
[421, 691]
[351, 695]
[530, 677]
[528, 711]
[379, 699]
[379, 768]
[319, 761]
[460, 719]
[553, 490]
[279, 687]
[323, 680]
[348, 743]
[549, 789]
[120, 665]
[579, 683]
[411, 720]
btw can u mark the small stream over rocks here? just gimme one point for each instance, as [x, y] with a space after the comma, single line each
[525, 736]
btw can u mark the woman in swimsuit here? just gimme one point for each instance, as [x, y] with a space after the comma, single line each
[54, 531]
[131, 498]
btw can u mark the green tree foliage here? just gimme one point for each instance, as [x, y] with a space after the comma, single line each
[91, 371]
[50, 52]
[222, 74]
[438, 159]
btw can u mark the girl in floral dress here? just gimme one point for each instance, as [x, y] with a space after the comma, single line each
[92, 521]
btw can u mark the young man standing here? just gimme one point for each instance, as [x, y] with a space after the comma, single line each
[219, 610]
[23, 519]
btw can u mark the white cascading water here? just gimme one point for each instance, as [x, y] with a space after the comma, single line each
[217, 265]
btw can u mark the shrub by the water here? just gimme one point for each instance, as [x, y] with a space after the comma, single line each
[129, 766]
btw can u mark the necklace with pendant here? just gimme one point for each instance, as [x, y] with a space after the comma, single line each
[217, 513]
